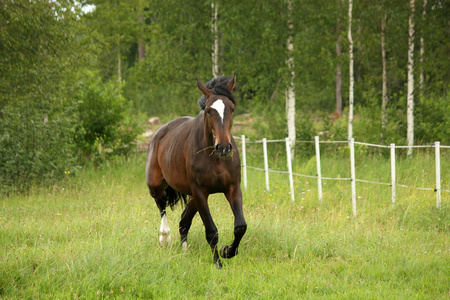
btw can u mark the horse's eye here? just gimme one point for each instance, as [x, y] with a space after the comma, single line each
[232, 110]
[208, 111]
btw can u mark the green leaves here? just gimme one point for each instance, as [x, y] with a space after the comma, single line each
[105, 124]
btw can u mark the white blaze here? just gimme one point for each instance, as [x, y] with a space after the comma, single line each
[219, 106]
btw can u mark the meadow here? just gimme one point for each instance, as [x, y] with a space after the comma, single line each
[95, 236]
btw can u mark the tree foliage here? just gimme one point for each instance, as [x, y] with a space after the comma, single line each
[37, 79]
[104, 118]
[44, 51]
[67, 77]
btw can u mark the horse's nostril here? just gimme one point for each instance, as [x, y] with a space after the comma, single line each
[219, 148]
[223, 150]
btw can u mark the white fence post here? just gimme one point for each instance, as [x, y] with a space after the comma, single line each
[352, 171]
[289, 164]
[244, 161]
[319, 173]
[266, 163]
[437, 146]
[393, 184]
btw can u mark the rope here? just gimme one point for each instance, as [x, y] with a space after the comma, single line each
[414, 187]
[374, 182]
[247, 140]
[333, 142]
[423, 146]
[373, 145]
[255, 168]
[302, 175]
[329, 178]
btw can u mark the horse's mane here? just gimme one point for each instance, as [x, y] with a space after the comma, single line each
[219, 87]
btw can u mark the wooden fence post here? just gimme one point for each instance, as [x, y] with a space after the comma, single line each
[393, 184]
[289, 164]
[319, 173]
[437, 146]
[352, 171]
[266, 163]
[244, 162]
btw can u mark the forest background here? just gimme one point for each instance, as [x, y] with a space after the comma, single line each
[79, 78]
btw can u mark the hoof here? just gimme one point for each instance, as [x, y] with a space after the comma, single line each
[164, 239]
[225, 252]
[219, 264]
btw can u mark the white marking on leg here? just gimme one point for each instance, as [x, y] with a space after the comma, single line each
[164, 237]
[184, 246]
[219, 106]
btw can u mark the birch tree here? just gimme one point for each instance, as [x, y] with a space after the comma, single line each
[422, 50]
[141, 47]
[410, 95]
[338, 71]
[290, 88]
[215, 45]
[351, 75]
[384, 77]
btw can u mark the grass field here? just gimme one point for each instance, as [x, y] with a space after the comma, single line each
[96, 236]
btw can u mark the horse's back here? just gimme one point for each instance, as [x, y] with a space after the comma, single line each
[168, 131]
[165, 154]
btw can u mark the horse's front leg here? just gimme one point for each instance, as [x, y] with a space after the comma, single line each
[186, 222]
[234, 197]
[200, 199]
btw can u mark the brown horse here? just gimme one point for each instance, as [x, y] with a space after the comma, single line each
[198, 157]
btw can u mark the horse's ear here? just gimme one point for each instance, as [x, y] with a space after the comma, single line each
[203, 88]
[231, 84]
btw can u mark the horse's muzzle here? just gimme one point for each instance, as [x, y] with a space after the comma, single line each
[224, 151]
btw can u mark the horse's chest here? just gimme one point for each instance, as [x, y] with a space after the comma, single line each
[217, 180]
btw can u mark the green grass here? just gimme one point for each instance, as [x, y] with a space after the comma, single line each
[96, 236]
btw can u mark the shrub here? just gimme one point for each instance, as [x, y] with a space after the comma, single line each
[105, 123]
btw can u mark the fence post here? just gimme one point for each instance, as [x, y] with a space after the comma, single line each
[244, 162]
[393, 184]
[352, 171]
[289, 164]
[437, 145]
[319, 173]
[266, 163]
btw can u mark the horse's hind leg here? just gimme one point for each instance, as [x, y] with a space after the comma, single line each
[164, 230]
[161, 200]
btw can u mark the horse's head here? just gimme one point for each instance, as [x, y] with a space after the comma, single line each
[218, 115]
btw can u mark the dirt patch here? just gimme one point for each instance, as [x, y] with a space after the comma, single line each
[152, 125]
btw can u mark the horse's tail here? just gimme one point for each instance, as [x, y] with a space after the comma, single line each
[173, 197]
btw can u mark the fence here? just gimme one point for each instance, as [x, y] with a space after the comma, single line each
[351, 143]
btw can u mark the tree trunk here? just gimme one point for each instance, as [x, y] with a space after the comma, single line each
[119, 63]
[215, 46]
[338, 72]
[351, 75]
[141, 48]
[410, 100]
[422, 50]
[384, 78]
[290, 88]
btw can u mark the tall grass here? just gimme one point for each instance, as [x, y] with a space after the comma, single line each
[96, 236]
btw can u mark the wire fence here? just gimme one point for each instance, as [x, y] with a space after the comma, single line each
[351, 143]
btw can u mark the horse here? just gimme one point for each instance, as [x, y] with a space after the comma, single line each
[195, 157]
